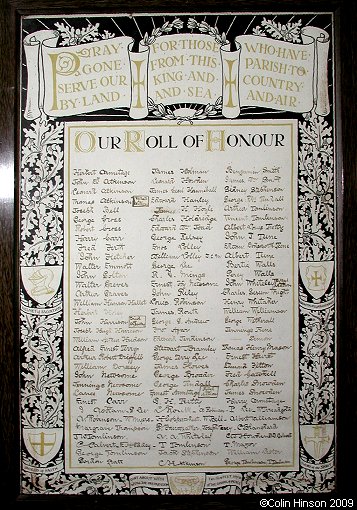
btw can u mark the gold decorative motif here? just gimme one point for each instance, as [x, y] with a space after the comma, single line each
[41, 282]
[187, 483]
[317, 439]
[43, 444]
[316, 277]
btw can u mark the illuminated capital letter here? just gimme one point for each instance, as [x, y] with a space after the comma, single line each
[63, 64]
[84, 141]
[215, 137]
[134, 141]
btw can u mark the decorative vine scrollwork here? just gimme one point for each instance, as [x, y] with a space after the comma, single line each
[42, 244]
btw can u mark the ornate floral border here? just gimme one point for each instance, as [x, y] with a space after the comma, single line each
[41, 330]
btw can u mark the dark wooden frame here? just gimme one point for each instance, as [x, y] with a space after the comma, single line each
[10, 11]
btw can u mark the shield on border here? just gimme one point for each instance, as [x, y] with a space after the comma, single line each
[317, 439]
[41, 282]
[43, 444]
[187, 483]
[316, 277]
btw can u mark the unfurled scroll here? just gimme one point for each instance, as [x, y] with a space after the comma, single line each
[33, 47]
[76, 79]
[180, 69]
[285, 76]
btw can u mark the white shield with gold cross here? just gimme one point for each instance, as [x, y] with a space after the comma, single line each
[41, 282]
[317, 439]
[43, 444]
[187, 483]
[316, 277]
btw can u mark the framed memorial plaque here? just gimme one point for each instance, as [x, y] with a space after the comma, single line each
[178, 251]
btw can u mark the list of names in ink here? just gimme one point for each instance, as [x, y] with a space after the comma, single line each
[180, 296]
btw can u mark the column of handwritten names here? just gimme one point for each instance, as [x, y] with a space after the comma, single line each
[180, 304]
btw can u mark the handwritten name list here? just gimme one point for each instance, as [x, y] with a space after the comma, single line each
[181, 296]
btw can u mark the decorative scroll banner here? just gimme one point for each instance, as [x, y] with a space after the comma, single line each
[36, 470]
[185, 68]
[282, 75]
[185, 483]
[78, 79]
[174, 69]
[40, 312]
[33, 46]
